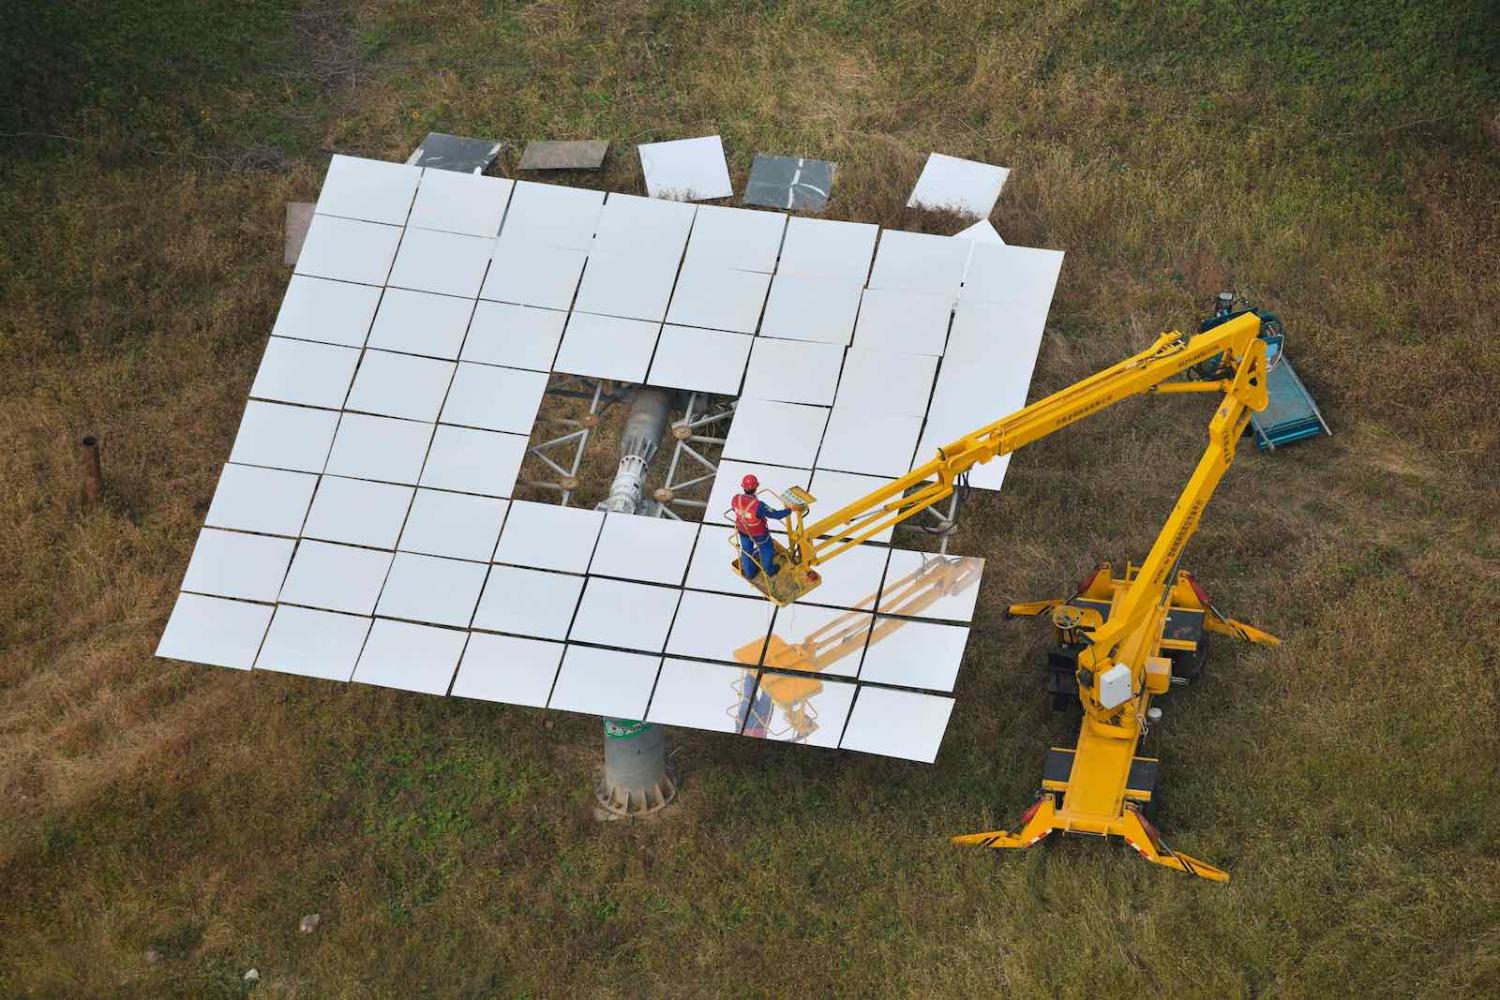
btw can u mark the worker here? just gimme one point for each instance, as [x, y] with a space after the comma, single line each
[750, 514]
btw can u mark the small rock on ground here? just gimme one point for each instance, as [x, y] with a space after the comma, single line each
[310, 923]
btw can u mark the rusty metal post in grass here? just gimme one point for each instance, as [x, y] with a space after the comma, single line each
[93, 474]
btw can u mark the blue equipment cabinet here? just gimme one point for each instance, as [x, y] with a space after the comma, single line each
[1292, 414]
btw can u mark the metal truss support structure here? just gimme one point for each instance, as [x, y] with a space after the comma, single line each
[701, 429]
[564, 454]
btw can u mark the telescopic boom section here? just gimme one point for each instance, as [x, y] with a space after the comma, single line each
[1243, 361]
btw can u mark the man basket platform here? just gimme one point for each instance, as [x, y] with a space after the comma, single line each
[762, 561]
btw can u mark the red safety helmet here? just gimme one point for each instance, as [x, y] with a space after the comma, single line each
[750, 483]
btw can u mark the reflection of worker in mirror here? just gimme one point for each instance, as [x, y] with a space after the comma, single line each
[750, 514]
[753, 708]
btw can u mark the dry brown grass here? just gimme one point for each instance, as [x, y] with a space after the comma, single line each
[1347, 780]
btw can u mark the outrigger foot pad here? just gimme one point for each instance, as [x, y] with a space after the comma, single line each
[1133, 827]
[1140, 834]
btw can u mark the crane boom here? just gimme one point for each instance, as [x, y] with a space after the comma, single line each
[1242, 362]
[935, 480]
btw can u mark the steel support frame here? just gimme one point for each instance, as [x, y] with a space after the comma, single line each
[702, 427]
[599, 399]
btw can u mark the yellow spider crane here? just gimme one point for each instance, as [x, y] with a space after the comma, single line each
[1114, 633]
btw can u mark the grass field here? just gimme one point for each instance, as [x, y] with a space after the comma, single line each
[1337, 162]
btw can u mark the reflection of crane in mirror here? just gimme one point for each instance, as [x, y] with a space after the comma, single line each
[785, 690]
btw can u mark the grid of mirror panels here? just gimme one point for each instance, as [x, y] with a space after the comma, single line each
[547, 606]
[363, 529]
